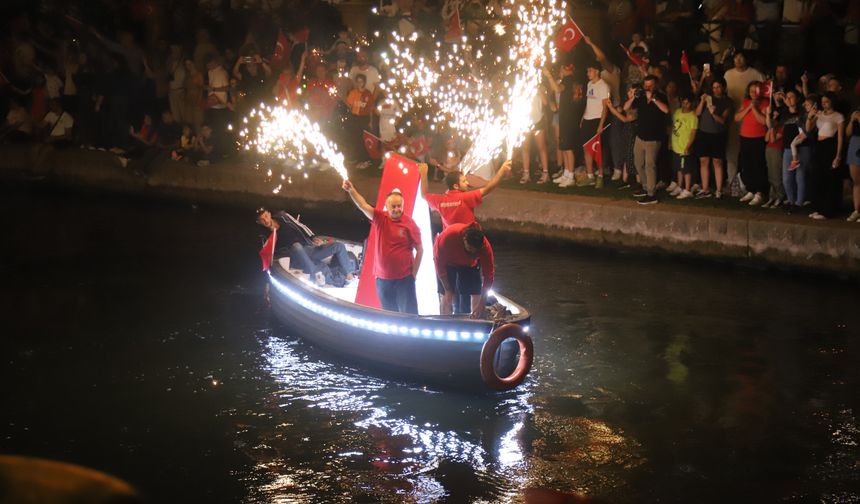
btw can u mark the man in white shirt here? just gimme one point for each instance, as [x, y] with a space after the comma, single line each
[737, 79]
[217, 114]
[594, 117]
[371, 74]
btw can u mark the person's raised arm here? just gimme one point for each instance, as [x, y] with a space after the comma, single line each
[701, 104]
[660, 105]
[599, 54]
[236, 73]
[552, 82]
[740, 114]
[425, 189]
[301, 70]
[358, 199]
[505, 168]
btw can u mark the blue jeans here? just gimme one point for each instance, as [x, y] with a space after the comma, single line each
[308, 258]
[794, 181]
[397, 294]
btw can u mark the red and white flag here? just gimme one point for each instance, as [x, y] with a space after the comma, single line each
[594, 148]
[267, 253]
[568, 36]
[282, 49]
[632, 57]
[372, 145]
[455, 29]
[685, 63]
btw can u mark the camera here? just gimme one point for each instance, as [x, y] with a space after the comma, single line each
[248, 59]
[639, 93]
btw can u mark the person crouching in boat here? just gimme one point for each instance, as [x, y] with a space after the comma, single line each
[396, 236]
[307, 251]
[458, 249]
[457, 206]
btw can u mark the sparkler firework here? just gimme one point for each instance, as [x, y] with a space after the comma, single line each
[288, 134]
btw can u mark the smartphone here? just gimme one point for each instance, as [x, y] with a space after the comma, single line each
[707, 67]
[709, 101]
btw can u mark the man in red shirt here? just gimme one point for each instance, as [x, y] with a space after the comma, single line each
[457, 205]
[396, 235]
[457, 249]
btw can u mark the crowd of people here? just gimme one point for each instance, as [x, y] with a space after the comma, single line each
[738, 118]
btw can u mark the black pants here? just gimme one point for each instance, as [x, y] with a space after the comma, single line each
[826, 180]
[398, 295]
[752, 164]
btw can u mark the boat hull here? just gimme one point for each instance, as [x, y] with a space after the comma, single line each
[441, 350]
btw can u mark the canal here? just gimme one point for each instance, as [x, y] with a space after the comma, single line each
[136, 341]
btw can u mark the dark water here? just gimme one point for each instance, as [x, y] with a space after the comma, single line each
[135, 341]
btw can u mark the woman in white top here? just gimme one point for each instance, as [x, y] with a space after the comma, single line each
[826, 171]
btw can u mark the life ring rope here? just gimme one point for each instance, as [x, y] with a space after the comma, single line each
[488, 357]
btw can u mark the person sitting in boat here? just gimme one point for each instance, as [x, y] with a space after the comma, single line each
[306, 250]
[457, 205]
[397, 235]
[458, 249]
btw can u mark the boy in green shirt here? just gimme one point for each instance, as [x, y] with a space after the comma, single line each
[684, 125]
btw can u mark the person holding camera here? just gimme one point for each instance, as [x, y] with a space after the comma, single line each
[713, 111]
[652, 109]
[252, 72]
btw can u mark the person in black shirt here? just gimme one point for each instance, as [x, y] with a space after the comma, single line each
[652, 108]
[306, 251]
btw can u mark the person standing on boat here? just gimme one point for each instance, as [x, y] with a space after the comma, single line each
[457, 205]
[306, 250]
[397, 235]
[461, 247]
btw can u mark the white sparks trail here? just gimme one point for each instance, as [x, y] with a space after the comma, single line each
[288, 134]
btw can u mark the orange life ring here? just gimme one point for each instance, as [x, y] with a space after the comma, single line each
[488, 356]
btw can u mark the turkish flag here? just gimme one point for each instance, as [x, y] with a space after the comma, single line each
[632, 57]
[267, 253]
[455, 30]
[282, 49]
[594, 148]
[371, 145]
[685, 63]
[568, 36]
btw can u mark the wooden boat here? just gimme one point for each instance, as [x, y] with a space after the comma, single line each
[447, 350]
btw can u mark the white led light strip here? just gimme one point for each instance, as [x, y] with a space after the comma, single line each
[380, 327]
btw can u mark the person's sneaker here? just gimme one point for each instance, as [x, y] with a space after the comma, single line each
[544, 178]
[624, 185]
[559, 178]
[639, 193]
[756, 200]
[767, 203]
[807, 203]
[567, 182]
[598, 182]
[718, 195]
[319, 278]
[616, 175]
[817, 216]
[674, 192]
[589, 180]
[558, 173]
[685, 194]
[671, 188]
[747, 197]
[776, 204]
[648, 200]
[703, 195]
[525, 178]
[695, 189]
[854, 216]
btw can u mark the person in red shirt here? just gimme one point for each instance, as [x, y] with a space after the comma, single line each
[457, 205]
[459, 248]
[752, 164]
[396, 236]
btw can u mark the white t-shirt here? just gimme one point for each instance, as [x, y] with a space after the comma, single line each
[218, 78]
[737, 81]
[371, 73]
[65, 123]
[388, 112]
[828, 124]
[595, 93]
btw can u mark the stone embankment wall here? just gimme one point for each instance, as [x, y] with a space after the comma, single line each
[769, 238]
